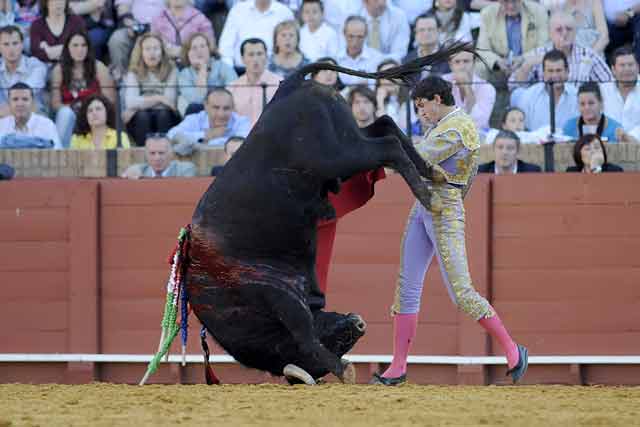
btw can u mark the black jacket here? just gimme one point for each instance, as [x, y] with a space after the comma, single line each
[216, 170]
[6, 171]
[607, 167]
[523, 167]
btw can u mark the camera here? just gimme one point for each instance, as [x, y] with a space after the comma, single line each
[139, 28]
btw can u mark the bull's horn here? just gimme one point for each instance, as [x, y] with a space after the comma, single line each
[293, 371]
[359, 322]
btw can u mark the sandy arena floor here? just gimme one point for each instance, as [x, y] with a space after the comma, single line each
[325, 405]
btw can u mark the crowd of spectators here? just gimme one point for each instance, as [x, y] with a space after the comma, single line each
[103, 74]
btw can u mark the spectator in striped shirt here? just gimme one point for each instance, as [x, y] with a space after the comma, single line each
[584, 63]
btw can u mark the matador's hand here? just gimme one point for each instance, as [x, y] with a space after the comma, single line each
[434, 176]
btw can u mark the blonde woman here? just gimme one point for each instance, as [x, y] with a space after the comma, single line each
[95, 128]
[203, 69]
[286, 56]
[150, 92]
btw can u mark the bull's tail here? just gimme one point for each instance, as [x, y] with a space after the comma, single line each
[404, 72]
[176, 301]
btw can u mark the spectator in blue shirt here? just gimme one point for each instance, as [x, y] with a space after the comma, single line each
[16, 67]
[534, 100]
[214, 125]
[591, 119]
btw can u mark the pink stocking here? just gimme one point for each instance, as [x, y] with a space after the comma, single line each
[496, 329]
[404, 331]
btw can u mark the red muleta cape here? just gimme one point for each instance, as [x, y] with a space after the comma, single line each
[354, 193]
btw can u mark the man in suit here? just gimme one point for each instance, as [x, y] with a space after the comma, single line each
[159, 161]
[508, 30]
[506, 147]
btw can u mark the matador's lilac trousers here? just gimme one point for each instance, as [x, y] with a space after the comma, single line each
[441, 234]
[451, 148]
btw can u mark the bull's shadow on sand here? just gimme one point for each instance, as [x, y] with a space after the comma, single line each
[251, 279]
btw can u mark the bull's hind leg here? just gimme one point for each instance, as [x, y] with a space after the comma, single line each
[304, 349]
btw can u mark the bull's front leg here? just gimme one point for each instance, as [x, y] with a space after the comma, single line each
[385, 126]
[388, 152]
[397, 159]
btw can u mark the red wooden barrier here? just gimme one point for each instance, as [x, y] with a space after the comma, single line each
[83, 270]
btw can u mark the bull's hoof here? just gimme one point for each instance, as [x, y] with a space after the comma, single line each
[295, 374]
[348, 373]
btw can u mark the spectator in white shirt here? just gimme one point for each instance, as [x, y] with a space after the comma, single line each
[621, 98]
[317, 38]
[16, 67]
[250, 19]
[589, 15]
[584, 63]
[213, 126]
[534, 100]
[355, 54]
[454, 23]
[623, 20]
[413, 8]
[334, 9]
[23, 127]
[388, 28]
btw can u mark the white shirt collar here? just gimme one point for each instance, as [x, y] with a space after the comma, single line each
[514, 169]
[29, 125]
[269, 9]
[21, 68]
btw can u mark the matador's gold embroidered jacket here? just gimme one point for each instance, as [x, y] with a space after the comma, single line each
[451, 147]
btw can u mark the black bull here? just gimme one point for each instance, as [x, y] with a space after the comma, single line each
[251, 279]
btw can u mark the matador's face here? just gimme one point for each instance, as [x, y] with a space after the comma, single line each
[429, 110]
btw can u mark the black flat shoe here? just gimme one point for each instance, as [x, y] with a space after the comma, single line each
[380, 380]
[519, 370]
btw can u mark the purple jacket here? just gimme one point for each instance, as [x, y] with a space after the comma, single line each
[176, 31]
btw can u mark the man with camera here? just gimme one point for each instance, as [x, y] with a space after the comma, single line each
[134, 18]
